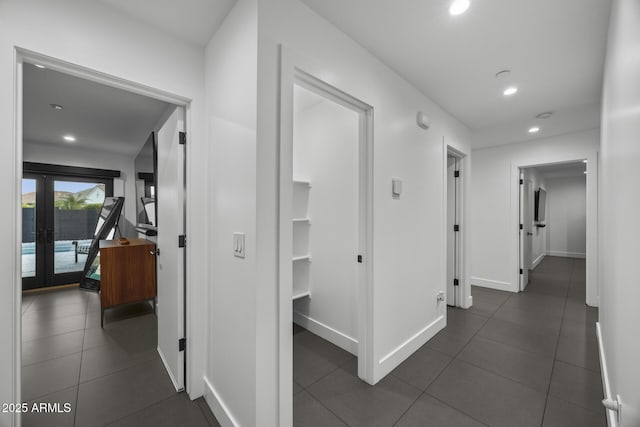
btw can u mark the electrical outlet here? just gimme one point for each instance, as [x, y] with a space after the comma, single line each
[238, 245]
[440, 296]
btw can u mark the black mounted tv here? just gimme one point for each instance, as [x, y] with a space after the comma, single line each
[540, 205]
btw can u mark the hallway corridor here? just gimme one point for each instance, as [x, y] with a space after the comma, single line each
[527, 359]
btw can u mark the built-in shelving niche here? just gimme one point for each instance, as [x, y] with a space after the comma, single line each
[301, 262]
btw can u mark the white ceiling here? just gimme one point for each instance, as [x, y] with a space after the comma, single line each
[555, 50]
[562, 170]
[193, 21]
[100, 117]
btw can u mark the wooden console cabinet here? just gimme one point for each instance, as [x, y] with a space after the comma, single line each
[127, 273]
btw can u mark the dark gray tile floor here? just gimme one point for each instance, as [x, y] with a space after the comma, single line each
[111, 376]
[526, 359]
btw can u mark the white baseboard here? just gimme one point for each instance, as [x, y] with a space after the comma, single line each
[469, 303]
[166, 368]
[217, 405]
[537, 261]
[330, 334]
[398, 355]
[492, 284]
[567, 254]
[612, 416]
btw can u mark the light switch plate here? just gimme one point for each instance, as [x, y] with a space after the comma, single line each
[238, 245]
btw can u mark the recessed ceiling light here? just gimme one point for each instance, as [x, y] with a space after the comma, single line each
[534, 129]
[56, 106]
[458, 7]
[584, 161]
[39, 65]
[511, 90]
[544, 115]
[69, 138]
[585, 172]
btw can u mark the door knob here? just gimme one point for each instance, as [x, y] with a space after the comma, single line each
[155, 252]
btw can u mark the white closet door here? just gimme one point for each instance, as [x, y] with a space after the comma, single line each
[170, 195]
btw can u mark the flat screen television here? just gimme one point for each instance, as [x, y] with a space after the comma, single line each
[540, 205]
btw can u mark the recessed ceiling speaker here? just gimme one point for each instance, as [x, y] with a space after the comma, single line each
[423, 120]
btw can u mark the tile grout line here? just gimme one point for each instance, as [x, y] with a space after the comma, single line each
[86, 314]
[553, 367]
[454, 357]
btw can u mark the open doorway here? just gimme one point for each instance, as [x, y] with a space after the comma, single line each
[553, 227]
[325, 233]
[78, 127]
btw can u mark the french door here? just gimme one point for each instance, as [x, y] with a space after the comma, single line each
[59, 216]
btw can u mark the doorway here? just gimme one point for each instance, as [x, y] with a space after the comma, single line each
[311, 208]
[553, 216]
[59, 215]
[139, 337]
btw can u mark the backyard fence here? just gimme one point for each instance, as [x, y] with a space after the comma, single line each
[68, 224]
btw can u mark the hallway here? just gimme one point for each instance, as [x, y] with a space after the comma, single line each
[527, 359]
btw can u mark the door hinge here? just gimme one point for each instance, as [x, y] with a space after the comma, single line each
[182, 138]
[521, 181]
[182, 241]
[521, 271]
[521, 226]
[456, 282]
[456, 174]
[182, 344]
[360, 259]
[456, 227]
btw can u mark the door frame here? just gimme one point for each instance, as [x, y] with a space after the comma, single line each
[464, 297]
[296, 69]
[22, 55]
[593, 288]
[523, 263]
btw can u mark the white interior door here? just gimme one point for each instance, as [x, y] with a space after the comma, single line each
[170, 200]
[529, 223]
[451, 234]
[525, 245]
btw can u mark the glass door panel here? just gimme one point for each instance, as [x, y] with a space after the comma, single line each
[29, 227]
[76, 209]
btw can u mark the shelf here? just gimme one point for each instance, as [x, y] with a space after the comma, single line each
[301, 258]
[301, 295]
[308, 220]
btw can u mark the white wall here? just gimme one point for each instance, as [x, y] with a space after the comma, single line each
[69, 156]
[494, 205]
[95, 36]
[620, 203]
[325, 153]
[567, 217]
[404, 281]
[231, 78]
[538, 240]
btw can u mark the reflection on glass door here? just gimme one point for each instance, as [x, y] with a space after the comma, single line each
[59, 217]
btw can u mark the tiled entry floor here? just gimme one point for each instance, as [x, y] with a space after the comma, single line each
[111, 376]
[527, 359]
